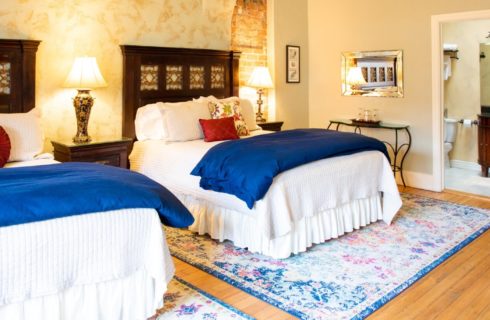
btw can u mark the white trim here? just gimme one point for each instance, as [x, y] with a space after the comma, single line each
[417, 180]
[437, 89]
[467, 165]
[437, 101]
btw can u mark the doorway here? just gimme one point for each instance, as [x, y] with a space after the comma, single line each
[460, 170]
[465, 74]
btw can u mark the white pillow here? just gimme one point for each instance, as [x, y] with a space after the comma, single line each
[202, 99]
[25, 134]
[248, 114]
[182, 120]
[149, 123]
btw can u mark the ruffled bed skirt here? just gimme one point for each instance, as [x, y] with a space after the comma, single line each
[111, 265]
[243, 229]
[130, 298]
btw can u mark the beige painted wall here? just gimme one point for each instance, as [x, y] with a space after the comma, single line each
[462, 89]
[69, 29]
[291, 28]
[378, 25]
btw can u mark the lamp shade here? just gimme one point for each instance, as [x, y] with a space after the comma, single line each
[85, 74]
[260, 78]
[355, 77]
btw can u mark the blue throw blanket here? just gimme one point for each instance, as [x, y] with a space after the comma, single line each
[246, 167]
[31, 194]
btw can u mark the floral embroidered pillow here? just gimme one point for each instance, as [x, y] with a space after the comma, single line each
[221, 109]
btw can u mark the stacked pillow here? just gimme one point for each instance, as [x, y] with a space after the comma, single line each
[219, 129]
[4, 147]
[181, 121]
[246, 109]
[248, 114]
[149, 123]
[24, 133]
[177, 121]
[231, 108]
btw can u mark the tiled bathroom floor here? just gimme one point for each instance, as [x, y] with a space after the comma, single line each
[469, 181]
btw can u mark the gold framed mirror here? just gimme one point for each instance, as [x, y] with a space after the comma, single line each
[372, 73]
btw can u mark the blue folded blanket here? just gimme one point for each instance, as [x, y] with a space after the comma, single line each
[246, 167]
[31, 194]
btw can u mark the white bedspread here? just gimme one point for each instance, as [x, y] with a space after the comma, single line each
[110, 265]
[301, 192]
[42, 159]
[43, 258]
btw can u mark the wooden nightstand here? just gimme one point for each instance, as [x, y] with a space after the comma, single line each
[271, 126]
[113, 152]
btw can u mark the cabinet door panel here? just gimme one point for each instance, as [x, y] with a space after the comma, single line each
[481, 149]
[483, 141]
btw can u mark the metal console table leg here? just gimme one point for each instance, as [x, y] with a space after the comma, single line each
[399, 151]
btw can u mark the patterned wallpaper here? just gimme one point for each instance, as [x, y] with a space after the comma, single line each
[70, 28]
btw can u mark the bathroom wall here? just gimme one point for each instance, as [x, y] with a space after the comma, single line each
[69, 29]
[462, 89]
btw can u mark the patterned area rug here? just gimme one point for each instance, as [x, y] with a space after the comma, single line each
[184, 301]
[346, 278]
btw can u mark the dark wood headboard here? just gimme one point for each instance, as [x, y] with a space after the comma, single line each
[152, 74]
[17, 75]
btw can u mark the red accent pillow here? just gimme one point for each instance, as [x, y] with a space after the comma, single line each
[219, 129]
[4, 147]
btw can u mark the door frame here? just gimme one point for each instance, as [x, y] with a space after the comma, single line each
[438, 88]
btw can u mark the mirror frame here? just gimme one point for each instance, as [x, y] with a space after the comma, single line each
[386, 57]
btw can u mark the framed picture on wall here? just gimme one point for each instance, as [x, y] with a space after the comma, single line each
[292, 64]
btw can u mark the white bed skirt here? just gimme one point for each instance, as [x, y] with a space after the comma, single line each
[98, 266]
[123, 299]
[224, 224]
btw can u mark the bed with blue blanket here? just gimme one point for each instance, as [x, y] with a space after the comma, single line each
[81, 240]
[73, 246]
[301, 206]
[276, 193]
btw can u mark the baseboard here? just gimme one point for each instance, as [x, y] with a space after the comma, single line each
[418, 180]
[468, 165]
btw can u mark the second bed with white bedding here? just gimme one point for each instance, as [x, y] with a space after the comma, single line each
[305, 205]
[112, 265]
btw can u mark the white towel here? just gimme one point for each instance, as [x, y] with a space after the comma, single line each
[450, 46]
[447, 67]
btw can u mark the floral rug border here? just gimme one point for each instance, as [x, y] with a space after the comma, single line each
[376, 305]
[395, 292]
[213, 298]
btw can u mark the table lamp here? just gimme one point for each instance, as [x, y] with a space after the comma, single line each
[260, 79]
[355, 78]
[84, 76]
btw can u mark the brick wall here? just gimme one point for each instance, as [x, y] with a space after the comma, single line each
[249, 35]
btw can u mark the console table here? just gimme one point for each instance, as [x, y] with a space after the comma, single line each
[405, 147]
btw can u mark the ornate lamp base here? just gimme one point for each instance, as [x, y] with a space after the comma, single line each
[258, 115]
[83, 103]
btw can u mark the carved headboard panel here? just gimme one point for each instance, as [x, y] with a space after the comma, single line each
[152, 74]
[17, 75]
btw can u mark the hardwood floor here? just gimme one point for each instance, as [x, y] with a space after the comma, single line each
[227, 293]
[459, 288]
